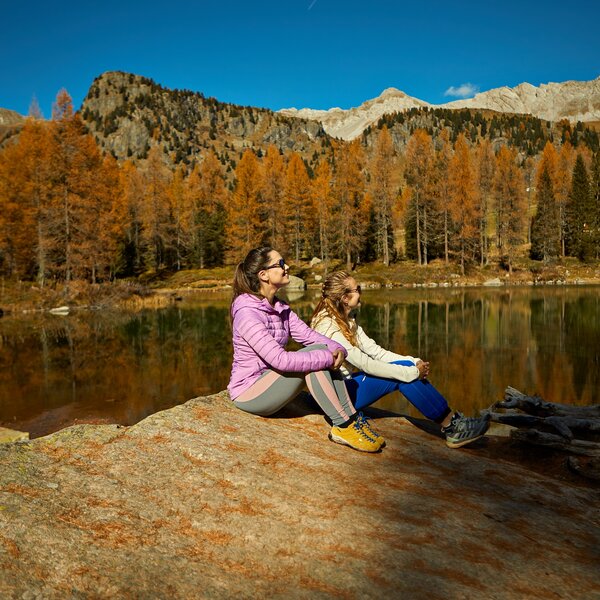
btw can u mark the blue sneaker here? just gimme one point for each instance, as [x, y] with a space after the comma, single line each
[464, 430]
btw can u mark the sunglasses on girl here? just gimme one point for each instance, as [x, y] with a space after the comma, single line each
[280, 263]
[357, 289]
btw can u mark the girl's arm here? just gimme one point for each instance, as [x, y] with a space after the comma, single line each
[377, 365]
[370, 347]
[256, 334]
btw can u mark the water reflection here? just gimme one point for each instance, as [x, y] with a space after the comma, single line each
[120, 367]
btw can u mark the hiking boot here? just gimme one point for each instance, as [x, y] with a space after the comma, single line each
[354, 436]
[464, 430]
[370, 430]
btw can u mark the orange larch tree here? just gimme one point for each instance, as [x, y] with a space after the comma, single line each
[245, 227]
[349, 191]
[441, 189]
[418, 175]
[157, 225]
[464, 206]
[24, 187]
[509, 195]
[75, 204]
[209, 212]
[486, 164]
[298, 213]
[131, 204]
[562, 188]
[273, 195]
[324, 202]
[383, 191]
[181, 216]
[114, 222]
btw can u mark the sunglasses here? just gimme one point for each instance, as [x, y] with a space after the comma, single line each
[357, 289]
[280, 263]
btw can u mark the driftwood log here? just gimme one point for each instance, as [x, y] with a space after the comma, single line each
[574, 429]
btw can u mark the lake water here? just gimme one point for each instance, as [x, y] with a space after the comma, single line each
[116, 366]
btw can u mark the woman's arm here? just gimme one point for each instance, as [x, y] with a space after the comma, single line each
[304, 335]
[254, 331]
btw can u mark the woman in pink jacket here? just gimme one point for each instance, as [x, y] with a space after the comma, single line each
[264, 376]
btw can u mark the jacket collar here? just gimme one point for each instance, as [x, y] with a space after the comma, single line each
[260, 303]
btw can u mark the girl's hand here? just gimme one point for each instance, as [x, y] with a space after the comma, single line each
[423, 369]
[338, 359]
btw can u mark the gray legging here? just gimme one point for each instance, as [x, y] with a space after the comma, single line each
[273, 390]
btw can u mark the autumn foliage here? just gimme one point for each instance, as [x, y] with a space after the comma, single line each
[68, 211]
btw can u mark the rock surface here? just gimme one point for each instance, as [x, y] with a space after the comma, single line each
[12, 435]
[205, 501]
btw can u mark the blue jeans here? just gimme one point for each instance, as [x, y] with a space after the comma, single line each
[365, 389]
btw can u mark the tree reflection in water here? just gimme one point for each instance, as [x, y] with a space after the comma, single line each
[115, 366]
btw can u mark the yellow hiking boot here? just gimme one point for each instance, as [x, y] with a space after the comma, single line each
[365, 423]
[354, 436]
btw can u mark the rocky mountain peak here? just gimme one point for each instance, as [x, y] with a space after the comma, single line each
[10, 117]
[348, 124]
[128, 114]
[572, 100]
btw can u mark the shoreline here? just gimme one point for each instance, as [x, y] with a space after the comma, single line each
[160, 290]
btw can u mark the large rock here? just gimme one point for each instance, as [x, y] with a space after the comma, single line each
[296, 284]
[12, 435]
[205, 501]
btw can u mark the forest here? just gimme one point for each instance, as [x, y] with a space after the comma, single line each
[69, 210]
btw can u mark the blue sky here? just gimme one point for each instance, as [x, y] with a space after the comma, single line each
[302, 53]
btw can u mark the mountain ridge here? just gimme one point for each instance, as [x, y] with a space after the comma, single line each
[572, 100]
[128, 114]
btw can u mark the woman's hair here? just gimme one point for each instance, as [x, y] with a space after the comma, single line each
[245, 279]
[331, 305]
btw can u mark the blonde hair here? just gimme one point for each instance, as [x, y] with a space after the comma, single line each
[331, 305]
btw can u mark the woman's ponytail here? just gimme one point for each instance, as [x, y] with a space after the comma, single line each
[245, 278]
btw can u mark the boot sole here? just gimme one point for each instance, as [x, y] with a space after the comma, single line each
[343, 442]
[464, 442]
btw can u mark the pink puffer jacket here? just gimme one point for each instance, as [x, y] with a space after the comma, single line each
[260, 333]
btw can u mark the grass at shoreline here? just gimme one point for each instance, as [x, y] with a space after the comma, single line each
[160, 289]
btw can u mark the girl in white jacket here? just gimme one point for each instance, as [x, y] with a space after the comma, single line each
[377, 371]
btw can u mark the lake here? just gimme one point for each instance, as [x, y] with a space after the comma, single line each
[115, 366]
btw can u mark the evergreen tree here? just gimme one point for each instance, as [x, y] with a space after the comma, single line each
[579, 214]
[544, 226]
[595, 193]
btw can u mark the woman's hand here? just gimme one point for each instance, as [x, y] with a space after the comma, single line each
[423, 369]
[338, 359]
